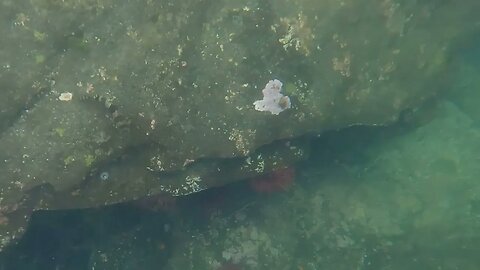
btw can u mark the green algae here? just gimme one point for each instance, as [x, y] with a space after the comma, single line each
[163, 92]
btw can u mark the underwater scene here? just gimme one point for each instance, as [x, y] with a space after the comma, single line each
[239, 135]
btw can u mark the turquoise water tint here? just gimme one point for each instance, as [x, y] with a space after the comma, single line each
[239, 135]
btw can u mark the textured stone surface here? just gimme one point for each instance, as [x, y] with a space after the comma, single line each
[162, 91]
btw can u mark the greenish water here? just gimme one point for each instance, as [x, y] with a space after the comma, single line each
[387, 194]
[399, 197]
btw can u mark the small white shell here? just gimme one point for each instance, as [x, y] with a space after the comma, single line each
[67, 96]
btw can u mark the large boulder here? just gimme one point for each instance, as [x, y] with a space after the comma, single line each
[109, 101]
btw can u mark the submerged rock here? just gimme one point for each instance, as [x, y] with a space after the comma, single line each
[161, 94]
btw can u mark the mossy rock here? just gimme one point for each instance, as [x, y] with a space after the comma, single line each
[162, 94]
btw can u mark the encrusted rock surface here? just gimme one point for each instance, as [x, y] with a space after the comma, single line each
[161, 93]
